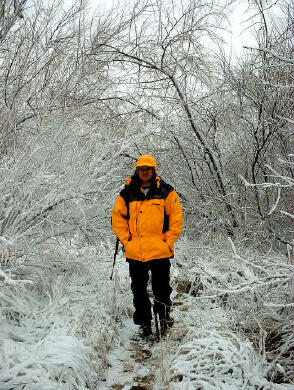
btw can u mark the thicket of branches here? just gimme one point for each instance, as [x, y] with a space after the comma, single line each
[81, 98]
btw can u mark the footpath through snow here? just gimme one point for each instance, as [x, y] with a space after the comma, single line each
[136, 364]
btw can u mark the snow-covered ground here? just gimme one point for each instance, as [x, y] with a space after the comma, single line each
[72, 328]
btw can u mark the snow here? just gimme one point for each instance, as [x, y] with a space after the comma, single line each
[73, 329]
[218, 359]
[81, 99]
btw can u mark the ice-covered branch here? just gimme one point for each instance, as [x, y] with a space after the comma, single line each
[274, 206]
[287, 214]
[289, 120]
[276, 55]
[7, 280]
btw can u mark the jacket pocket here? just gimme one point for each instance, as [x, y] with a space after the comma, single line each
[169, 248]
[132, 249]
[127, 243]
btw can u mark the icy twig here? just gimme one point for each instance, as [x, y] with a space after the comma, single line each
[13, 282]
[276, 201]
[245, 261]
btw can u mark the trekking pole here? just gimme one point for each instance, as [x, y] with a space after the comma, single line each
[114, 257]
[156, 327]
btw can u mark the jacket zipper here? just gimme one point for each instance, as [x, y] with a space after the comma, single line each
[137, 216]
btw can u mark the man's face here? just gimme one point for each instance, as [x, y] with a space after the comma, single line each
[145, 173]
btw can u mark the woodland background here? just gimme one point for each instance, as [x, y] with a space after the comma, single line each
[81, 97]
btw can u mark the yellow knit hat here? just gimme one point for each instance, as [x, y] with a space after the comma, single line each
[146, 160]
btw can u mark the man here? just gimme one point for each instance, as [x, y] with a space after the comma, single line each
[147, 219]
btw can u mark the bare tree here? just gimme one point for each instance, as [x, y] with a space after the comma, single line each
[161, 59]
[11, 11]
[261, 98]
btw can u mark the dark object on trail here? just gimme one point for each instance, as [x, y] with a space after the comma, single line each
[146, 330]
[114, 257]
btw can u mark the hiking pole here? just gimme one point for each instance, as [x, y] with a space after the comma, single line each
[156, 327]
[114, 257]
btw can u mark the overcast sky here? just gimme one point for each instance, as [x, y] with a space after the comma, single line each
[238, 37]
[239, 23]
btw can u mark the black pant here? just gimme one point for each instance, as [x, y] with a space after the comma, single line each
[139, 273]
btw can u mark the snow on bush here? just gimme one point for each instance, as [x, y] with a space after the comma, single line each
[217, 360]
[245, 292]
[55, 361]
[56, 332]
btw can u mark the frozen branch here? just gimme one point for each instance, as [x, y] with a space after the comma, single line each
[291, 121]
[276, 201]
[287, 214]
[265, 50]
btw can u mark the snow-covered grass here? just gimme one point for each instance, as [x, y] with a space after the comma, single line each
[243, 298]
[56, 332]
[217, 359]
[232, 309]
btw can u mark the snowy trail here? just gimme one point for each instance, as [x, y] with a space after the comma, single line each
[136, 364]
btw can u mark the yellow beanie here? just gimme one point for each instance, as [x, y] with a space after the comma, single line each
[146, 160]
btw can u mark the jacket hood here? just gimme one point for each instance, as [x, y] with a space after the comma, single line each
[146, 160]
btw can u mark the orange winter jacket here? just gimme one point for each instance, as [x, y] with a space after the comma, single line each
[147, 225]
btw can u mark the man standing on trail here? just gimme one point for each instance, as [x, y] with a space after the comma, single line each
[147, 219]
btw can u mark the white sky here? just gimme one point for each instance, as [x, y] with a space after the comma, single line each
[238, 37]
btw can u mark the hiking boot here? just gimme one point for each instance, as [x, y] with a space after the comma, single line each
[145, 330]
